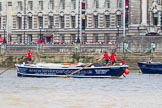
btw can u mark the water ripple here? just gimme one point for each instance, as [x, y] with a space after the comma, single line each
[136, 90]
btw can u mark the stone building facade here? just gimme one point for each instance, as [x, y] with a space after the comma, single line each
[27, 21]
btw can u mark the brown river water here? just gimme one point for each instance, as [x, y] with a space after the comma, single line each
[134, 91]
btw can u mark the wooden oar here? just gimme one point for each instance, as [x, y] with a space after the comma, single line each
[81, 69]
[4, 71]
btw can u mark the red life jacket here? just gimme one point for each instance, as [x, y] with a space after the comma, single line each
[123, 62]
[106, 56]
[29, 54]
[113, 57]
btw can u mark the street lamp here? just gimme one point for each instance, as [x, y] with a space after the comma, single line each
[4, 39]
[40, 34]
[117, 38]
[78, 40]
[138, 30]
[118, 29]
[24, 18]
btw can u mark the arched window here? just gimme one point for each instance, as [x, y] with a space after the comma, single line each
[40, 19]
[107, 21]
[51, 22]
[30, 22]
[73, 21]
[19, 22]
[95, 21]
[62, 21]
[118, 18]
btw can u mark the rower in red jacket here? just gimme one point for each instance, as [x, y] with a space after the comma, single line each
[106, 57]
[113, 58]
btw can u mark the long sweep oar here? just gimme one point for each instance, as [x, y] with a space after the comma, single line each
[4, 71]
[77, 71]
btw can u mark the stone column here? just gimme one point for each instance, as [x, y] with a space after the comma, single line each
[144, 12]
[151, 18]
[159, 13]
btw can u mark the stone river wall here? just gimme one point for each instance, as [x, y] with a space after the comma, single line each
[11, 55]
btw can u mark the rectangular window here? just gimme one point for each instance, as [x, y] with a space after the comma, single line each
[62, 38]
[41, 22]
[19, 37]
[73, 37]
[62, 4]
[10, 38]
[159, 2]
[86, 4]
[30, 5]
[30, 38]
[96, 21]
[0, 23]
[95, 38]
[97, 4]
[51, 22]
[41, 5]
[73, 4]
[119, 20]
[73, 21]
[84, 38]
[51, 4]
[107, 20]
[19, 20]
[0, 6]
[30, 22]
[107, 3]
[119, 4]
[20, 7]
[62, 21]
[107, 38]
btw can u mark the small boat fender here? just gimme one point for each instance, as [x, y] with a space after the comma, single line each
[126, 71]
[66, 64]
